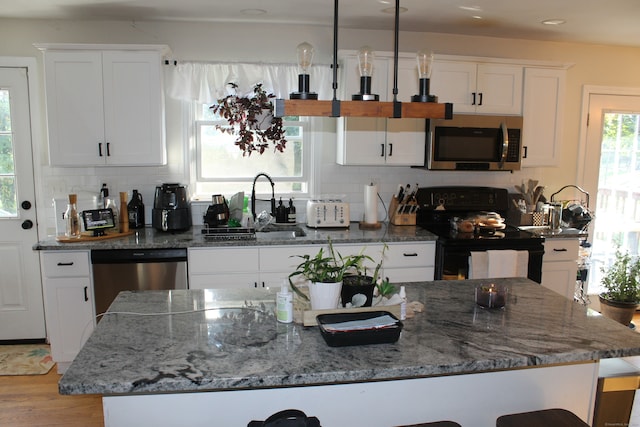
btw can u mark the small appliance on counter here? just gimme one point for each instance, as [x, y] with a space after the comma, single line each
[218, 212]
[171, 208]
[327, 213]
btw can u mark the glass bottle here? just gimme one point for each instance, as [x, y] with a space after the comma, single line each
[123, 214]
[136, 211]
[72, 218]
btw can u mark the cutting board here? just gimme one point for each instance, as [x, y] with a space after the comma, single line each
[89, 237]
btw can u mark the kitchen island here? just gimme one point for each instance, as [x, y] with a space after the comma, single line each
[219, 358]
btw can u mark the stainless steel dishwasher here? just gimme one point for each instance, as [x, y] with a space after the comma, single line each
[136, 270]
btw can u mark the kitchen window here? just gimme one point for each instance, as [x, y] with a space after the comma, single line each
[220, 167]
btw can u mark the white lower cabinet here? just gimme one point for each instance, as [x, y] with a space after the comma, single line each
[226, 267]
[268, 266]
[68, 300]
[559, 266]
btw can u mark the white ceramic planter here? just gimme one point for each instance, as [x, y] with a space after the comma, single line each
[324, 295]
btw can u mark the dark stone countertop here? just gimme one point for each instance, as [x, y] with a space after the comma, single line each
[233, 341]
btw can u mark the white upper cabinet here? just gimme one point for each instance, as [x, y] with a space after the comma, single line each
[380, 141]
[104, 106]
[543, 116]
[478, 87]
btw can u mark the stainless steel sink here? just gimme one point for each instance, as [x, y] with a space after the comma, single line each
[280, 232]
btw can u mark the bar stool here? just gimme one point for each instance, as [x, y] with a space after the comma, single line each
[547, 417]
[435, 424]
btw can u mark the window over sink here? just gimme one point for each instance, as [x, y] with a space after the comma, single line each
[219, 166]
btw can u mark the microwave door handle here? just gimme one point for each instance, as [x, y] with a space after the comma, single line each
[505, 144]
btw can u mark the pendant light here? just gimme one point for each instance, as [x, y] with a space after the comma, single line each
[425, 62]
[305, 58]
[366, 59]
[365, 108]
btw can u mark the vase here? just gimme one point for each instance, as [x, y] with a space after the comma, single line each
[263, 120]
[621, 312]
[324, 295]
[357, 290]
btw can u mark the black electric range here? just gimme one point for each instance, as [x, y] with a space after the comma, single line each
[439, 207]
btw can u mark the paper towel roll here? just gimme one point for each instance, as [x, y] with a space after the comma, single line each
[371, 204]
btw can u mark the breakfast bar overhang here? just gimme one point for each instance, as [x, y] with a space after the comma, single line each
[219, 357]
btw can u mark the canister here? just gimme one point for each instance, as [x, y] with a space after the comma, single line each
[555, 214]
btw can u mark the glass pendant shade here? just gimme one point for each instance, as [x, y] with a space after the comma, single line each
[425, 60]
[366, 57]
[305, 56]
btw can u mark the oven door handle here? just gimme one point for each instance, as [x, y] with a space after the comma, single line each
[505, 144]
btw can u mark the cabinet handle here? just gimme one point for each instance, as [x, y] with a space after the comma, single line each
[526, 149]
[560, 250]
[108, 149]
[480, 103]
[100, 149]
[411, 254]
[65, 264]
[86, 295]
[474, 98]
[263, 284]
[390, 150]
[381, 150]
[255, 284]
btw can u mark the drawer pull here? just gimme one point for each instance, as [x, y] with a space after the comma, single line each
[560, 250]
[65, 264]
[411, 254]
[86, 295]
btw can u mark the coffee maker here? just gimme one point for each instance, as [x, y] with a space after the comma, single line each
[171, 208]
[218, 212]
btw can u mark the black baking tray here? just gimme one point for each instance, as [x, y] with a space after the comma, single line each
[386, 335]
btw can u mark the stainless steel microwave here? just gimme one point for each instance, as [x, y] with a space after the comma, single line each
[475, 143]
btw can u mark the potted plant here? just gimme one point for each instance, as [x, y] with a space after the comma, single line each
[324, 274]
[621, 281]
[252, 120]
[359, 282]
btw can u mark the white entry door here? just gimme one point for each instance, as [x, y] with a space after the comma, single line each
[21, 304]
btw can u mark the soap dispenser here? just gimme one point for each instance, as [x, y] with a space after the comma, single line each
[281, 212]
[291, 213]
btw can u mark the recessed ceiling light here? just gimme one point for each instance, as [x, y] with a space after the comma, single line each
[393, 10]
[384, 1]
[471, 8]
[554, 21]
[477, 17]
[253, 12]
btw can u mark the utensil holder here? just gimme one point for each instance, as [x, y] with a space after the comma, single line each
[402, 213]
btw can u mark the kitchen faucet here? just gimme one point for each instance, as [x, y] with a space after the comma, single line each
[253, 195]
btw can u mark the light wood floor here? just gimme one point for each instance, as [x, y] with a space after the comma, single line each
[33, 400]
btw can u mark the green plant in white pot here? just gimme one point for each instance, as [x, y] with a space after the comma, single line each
[324, 273]
[621, 282]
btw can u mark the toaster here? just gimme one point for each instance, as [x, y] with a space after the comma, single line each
[325, 213]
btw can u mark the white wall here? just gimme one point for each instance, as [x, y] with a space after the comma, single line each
[592, 65]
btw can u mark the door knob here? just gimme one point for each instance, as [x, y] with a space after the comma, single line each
[26, 205]
[27, 224]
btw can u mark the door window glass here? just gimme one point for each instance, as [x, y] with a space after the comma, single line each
[617, 219]
[8, 207]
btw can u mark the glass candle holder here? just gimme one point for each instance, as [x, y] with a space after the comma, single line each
[491, 295]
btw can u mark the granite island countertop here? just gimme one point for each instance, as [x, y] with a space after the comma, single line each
[233, 342]
[150, 238]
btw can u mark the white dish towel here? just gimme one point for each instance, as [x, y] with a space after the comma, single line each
[498, 263]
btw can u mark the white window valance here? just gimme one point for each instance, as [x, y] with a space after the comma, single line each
[208, 82]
